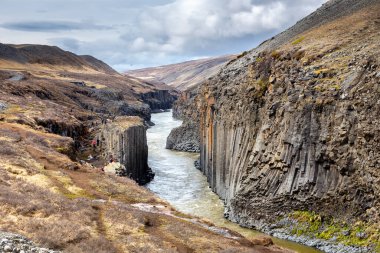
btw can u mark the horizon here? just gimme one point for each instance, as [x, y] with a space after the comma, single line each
[134, 35]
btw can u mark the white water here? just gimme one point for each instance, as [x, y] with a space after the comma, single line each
[184, 187]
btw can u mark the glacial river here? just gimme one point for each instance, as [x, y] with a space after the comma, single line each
[185, 187]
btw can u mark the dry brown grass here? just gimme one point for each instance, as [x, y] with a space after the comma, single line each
[85, 210]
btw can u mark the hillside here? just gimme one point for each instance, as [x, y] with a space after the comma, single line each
[35, 56]
[184, 75]
[289, 132]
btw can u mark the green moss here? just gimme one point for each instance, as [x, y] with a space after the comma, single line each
[275, 54]
[262, 86]
[309, 222]
[336, 87]
[320, 88]
[81, 194]
[298, 40]
[62, 150]
[329, 232]
[259, 59]
[377, 248]
[314, 225]
[242, 54]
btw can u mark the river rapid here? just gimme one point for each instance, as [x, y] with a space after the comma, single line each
[184, 187]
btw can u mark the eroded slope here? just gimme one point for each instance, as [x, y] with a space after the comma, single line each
[183, 76]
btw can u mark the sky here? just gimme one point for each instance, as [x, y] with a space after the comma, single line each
[133, 34]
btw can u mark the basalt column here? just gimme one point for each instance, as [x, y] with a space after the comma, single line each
[124, 140]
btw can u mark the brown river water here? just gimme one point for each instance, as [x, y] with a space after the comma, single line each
[185, 187]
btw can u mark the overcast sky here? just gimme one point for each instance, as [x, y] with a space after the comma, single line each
[130, 34]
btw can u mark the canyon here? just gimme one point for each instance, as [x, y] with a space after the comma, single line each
[289, 134]
[73, 157]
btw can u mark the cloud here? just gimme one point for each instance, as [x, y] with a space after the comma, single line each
[51, 26]
[194, 27]
[135, 33]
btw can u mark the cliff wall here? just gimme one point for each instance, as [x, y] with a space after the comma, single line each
[124, 139]
[159, 99]
[295, 127]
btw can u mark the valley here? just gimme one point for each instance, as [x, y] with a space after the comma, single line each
[274, 150]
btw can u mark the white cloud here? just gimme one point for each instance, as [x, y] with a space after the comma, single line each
[151, 32]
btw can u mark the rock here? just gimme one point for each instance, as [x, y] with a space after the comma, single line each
[197, 164]
[311, 152]
[159, 100]
[183, 138]
[124, 139]
[116, 168]
[361, 235]
[186, 137]
[18, 244]
[3, 106]
[8, 248]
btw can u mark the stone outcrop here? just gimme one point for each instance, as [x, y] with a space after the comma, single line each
[116, 168]
[186, 136]
[124, 140]
[159, 99]
[293, 124]
[16, 243]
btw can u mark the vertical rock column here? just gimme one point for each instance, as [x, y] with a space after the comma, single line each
[124, 139]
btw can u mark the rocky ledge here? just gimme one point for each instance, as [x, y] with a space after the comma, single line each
[124, 140]
[185, 137]
[18, 244]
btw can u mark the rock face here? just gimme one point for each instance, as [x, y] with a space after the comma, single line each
[293, 125]
[186, 136]
[159, 100]
[124, 140]
[16, 243]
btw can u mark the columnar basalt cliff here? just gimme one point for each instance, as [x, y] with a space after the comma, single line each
[293, 125]
[124, 139]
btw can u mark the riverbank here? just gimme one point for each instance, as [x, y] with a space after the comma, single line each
[281, 230]
[186, 188]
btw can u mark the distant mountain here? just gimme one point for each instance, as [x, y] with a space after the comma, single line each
[49, 56]
[103, 89]
[183, 75]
